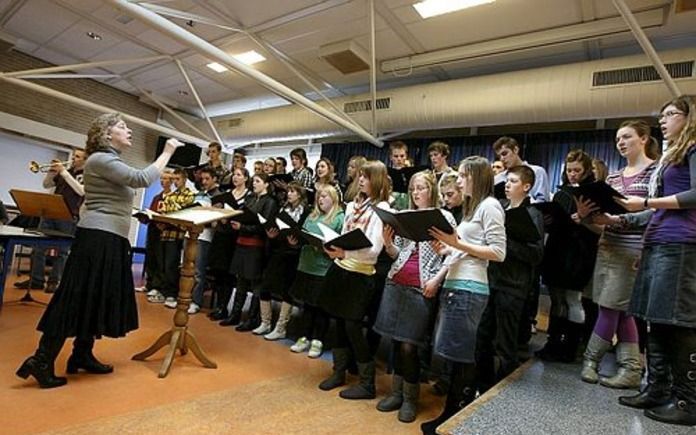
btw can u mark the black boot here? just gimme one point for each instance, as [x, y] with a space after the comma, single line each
[553, 348]
[571, 341]
[341, 356]
[366, 387]
[681, 409]
[236, 314]
[253, 319]
[83, 358]
[462, 392]
[41, 364]
[658, 391]
[223, 293]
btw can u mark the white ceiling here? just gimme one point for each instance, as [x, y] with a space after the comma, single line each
[55, 31]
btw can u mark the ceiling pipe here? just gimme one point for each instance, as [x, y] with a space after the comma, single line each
[647, 47]
[78, 66]
[209, 50]
[104, 109]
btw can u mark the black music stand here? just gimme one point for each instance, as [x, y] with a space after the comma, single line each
[44, 206]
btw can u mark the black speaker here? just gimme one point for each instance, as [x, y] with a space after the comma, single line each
[188, 155]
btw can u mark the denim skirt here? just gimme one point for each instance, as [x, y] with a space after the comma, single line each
[405, 315]
[457, 323]
[665, 289]
[614, 276]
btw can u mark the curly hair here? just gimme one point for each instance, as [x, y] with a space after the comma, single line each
[99, 130]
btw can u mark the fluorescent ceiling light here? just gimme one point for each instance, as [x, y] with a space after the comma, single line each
[249, 57]
[217, 67]
[431, 8]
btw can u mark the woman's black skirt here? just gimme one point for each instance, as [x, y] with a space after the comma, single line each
[222, 250]
[280, 274]
[306, 288]
[95, 296]
[248, 262]
[346, 295]
[665, 288]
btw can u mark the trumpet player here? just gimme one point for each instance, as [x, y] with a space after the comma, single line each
[68, 183]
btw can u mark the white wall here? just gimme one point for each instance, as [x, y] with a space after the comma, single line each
[15, 154]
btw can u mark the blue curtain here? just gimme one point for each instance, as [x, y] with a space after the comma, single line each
[547, 150]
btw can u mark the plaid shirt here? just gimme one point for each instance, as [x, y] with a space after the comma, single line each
[173, 202]
[304, 177]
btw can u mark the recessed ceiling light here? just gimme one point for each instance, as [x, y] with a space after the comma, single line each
[182, 92]
[95, 36]
[431, 8]
[217, 67]
[249, 57]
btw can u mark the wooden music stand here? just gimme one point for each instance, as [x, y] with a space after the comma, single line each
[42, 205]
[179, 337]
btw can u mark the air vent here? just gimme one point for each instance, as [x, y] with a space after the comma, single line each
[366, 105]
[677, 70]
[230, 123]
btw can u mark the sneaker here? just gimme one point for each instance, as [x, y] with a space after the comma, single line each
[316, 349]
[170, 302]
[300, 345]
[156, 298]
[153, 292]
[194, 308]
[141, 289]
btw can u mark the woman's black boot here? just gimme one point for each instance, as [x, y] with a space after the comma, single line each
[83, 358]
[253, 319]
[41, 364]
[236, 314]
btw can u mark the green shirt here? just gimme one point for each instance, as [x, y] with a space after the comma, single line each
[312, 260]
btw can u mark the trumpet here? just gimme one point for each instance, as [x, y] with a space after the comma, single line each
[37, 167]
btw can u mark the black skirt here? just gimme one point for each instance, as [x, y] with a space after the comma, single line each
[248, 262]
[222, 250]
[280, 274]
[306, 288]
[346, 295]
[95, 296]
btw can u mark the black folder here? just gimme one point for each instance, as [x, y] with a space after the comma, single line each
[350, 241]
[499, 190]
[247, 217]
[285, 178]
[226, 198]
[414, 224]
[555, 218]
[601, 194]
[520, 226]
[401, 177]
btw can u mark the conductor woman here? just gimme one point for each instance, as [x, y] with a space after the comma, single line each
[96, 295]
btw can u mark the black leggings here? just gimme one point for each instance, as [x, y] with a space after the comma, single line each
[349, 333]
[316, 323]
[406, 362]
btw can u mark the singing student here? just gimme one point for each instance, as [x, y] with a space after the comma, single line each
[96, 297]
[478, 239]
[251, 251]
[349, 285]
[311, 271]
[281, 267]
[408, 302]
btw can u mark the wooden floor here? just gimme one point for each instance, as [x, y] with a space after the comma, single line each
[259, 387]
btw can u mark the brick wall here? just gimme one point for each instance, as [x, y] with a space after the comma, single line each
[52, 111]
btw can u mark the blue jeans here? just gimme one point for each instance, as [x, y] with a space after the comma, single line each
[201, 266]
[38, 254]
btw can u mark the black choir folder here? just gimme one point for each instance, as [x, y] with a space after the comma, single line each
[225, 199]
[283, 178]
[401, 177]
[350, 241]
[414, 224]
[520, 226]
[602, 195]
[555, 218]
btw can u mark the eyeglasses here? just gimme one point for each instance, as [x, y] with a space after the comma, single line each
[418, 188]
[670, 114]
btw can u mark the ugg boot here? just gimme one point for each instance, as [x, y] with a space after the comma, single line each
[266, 318]
[366, 387]
[253, 317]
[596, 348]
[236, 313]
[409, 408]
[681, 409]
[629, 373]
[41, 364]
[83, 358]
[658, 390]
[341, 357]
[394, 400]
[280, 329]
